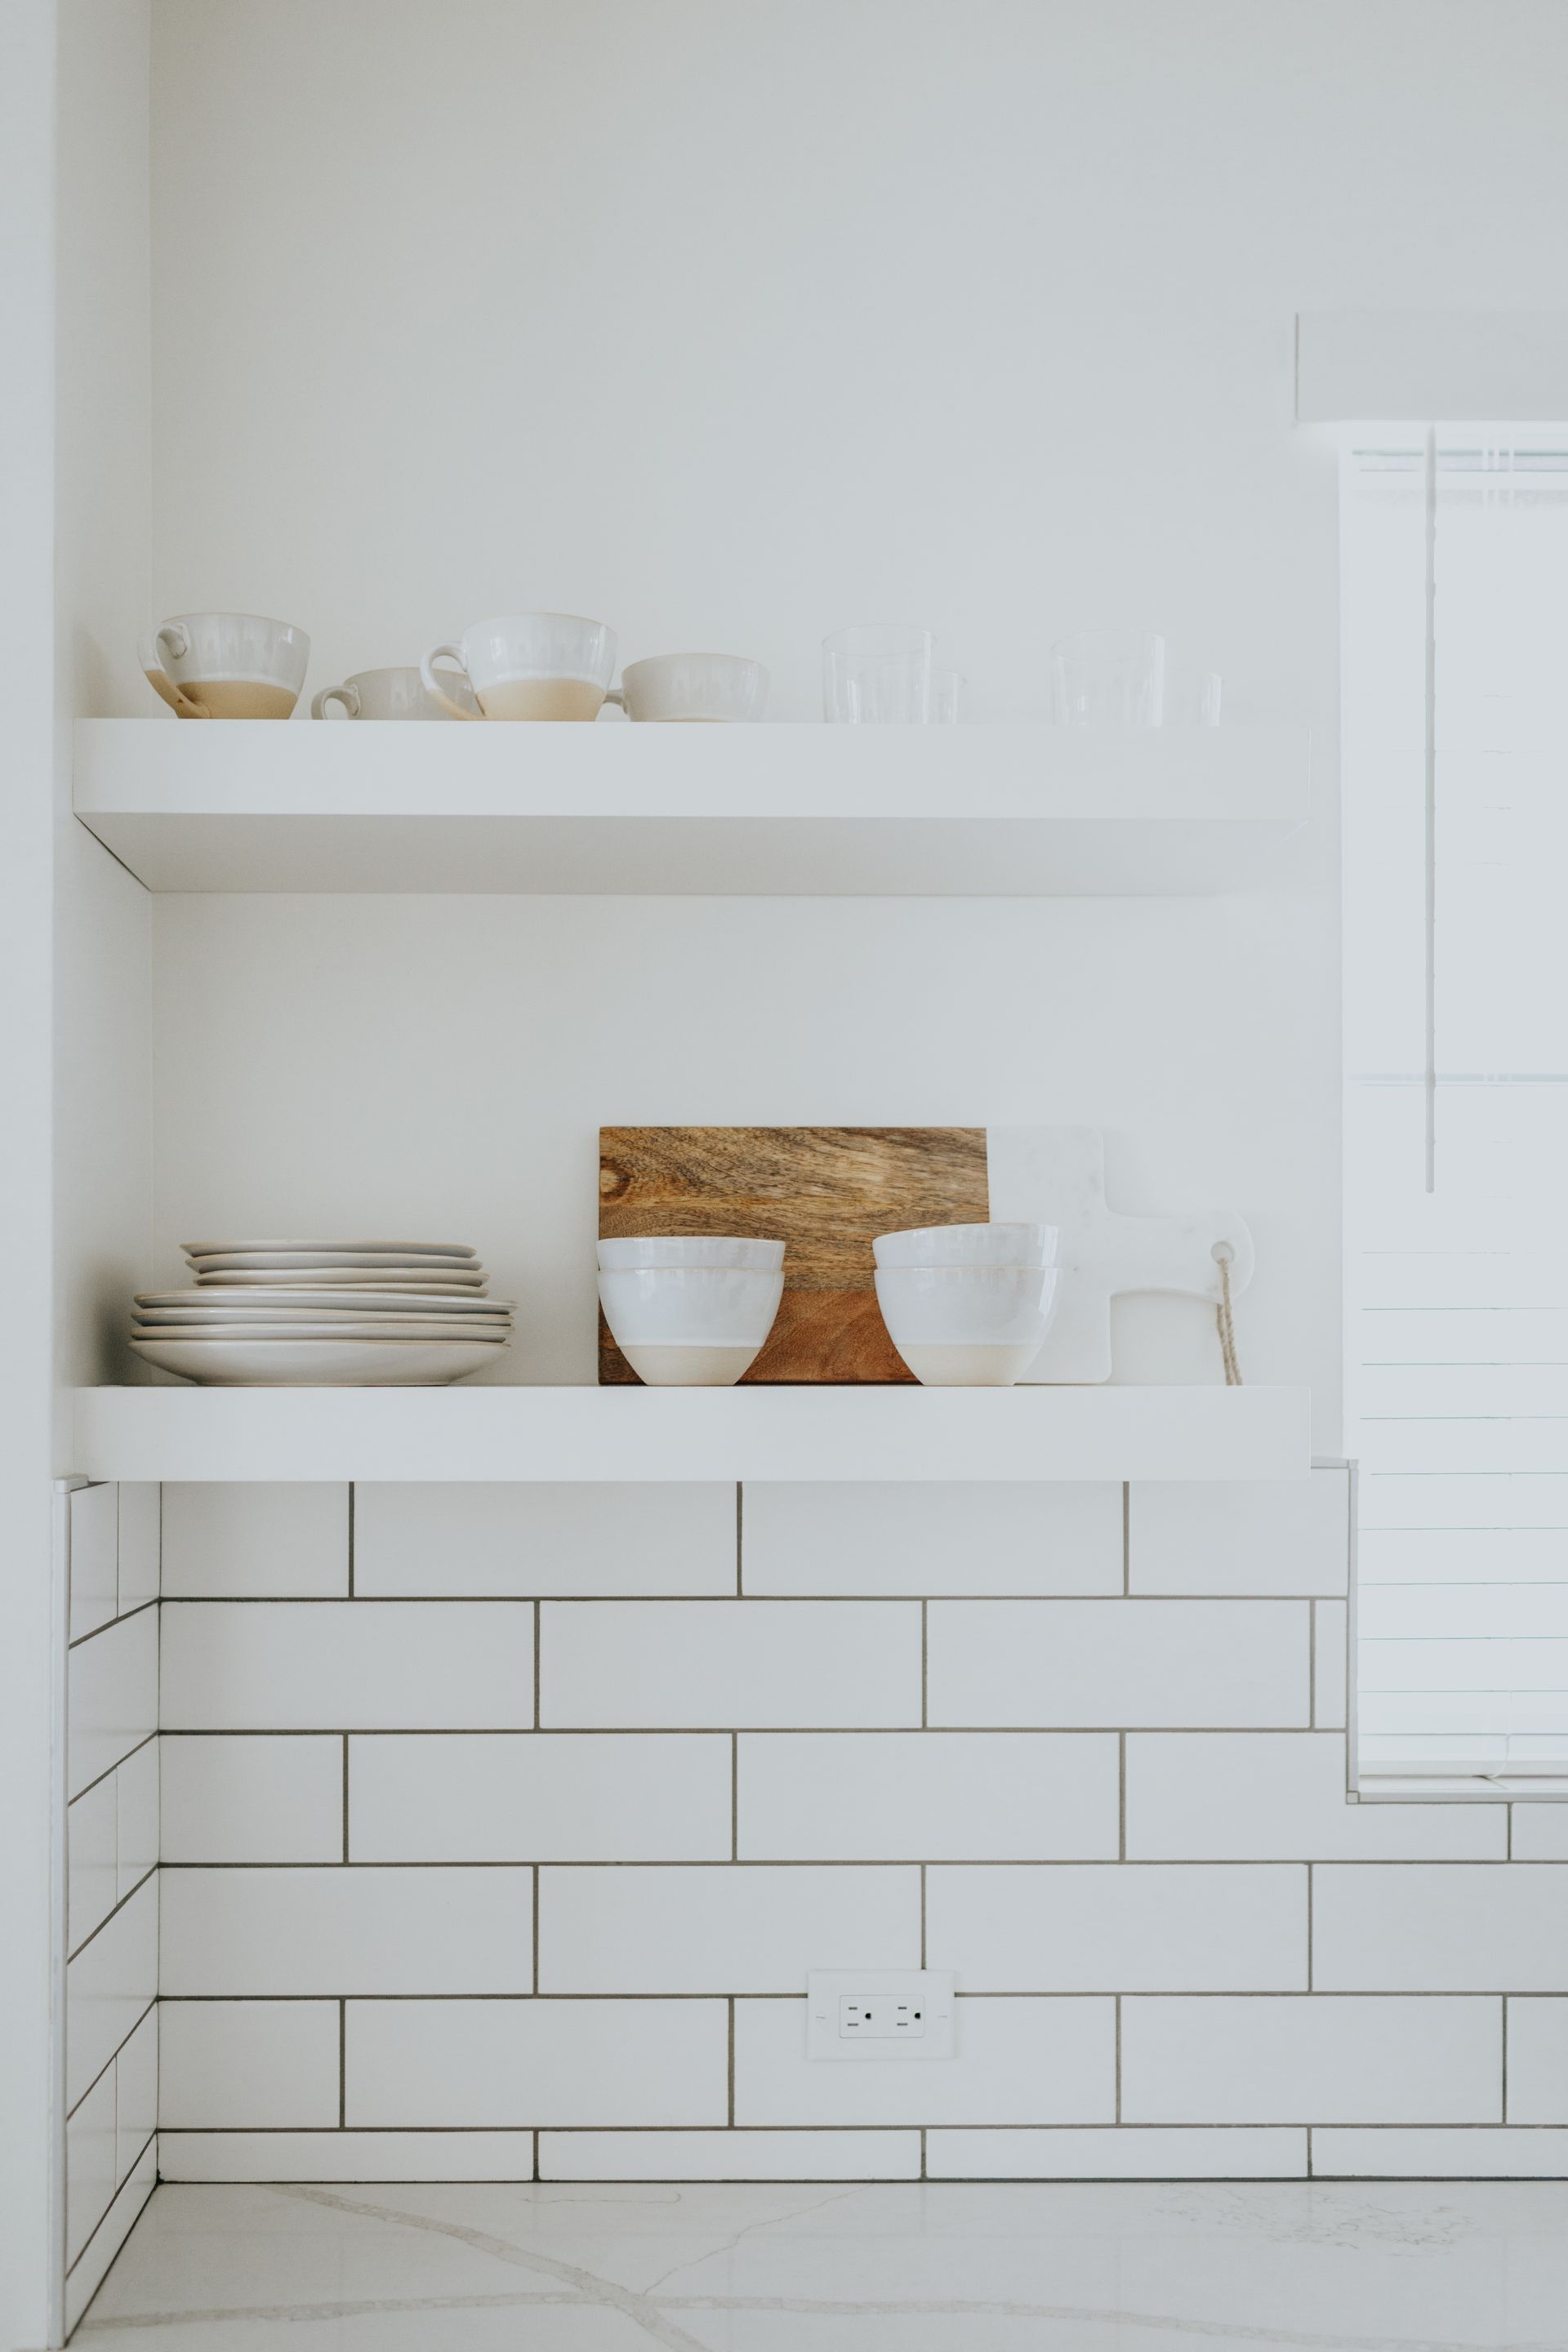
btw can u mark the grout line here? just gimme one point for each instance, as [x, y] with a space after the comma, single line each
[109, 1625]
[537, 2136]
[922, 1915]
[1309, 1926]
[740, 1511]
[1504, 2116]
[1308, 2151]
[351, 1538]
[925, 1664]
[1507, 1838]
[730, 2112]
[1122, 1796]
[77, 1950]
[1311, 1665]
[1126, 1536]
[1118, 2057]
[734, 1796]
[345, 1796]
[923, 2173]
[109, 2061]
[342, 2064]
[88, 1786]
[535, 1980]
[538, 1657]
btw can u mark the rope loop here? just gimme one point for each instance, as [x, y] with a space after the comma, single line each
[1223, 1256]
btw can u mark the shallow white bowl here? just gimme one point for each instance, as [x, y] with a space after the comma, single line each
[327, 1249]
[691, 1249]
[1012, 1246]
[1006, 1305]
[320, 1363]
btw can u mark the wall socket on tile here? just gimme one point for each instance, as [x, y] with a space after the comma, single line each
[879, 2013]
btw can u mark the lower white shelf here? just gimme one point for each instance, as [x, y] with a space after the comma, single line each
[580, 1434]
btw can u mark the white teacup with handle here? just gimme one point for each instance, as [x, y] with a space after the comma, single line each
[226, 665]
[530, 666]
[392, 694]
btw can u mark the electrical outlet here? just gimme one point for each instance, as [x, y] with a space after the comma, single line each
[879, 2013]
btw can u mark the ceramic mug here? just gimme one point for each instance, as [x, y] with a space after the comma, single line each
[392, 694]
[712, 687]
[531, 665]
[226, 665]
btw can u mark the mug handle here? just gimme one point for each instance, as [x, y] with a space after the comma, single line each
[616, 694]
[149, 651]
[347, 695]
[433, 684]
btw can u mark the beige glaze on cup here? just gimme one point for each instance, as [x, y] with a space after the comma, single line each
[531, 665]
[226, 665]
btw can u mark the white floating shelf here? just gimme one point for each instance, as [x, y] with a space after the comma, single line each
[575, 1434]
[768, 811]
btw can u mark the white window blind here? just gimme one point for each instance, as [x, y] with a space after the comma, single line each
[1455, 624]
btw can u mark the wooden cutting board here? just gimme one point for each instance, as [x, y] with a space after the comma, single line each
[825, 1192]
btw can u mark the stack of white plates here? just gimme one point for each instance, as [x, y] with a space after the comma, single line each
[324, 1313]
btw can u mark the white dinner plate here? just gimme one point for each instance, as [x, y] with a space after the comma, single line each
[320, 1363]
[340, 1327]
[353, 1302]
[373, 1278]
[293, 1261]
[327, 1249]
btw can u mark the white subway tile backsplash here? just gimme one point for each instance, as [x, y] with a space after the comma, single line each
[1538, 2062]
[727, 1663]
[110, 1983]
[136, 2094]
[346, 1931]
[92, 1887]
[1441, 1928]
[140, 1540]
[1331, 1665]
[346, 1666]
[223, 1541]
[94, 1557]
[432, 2064]
[1312, 2059]
[111, 1696]
[540, 1796]
[135, 1786]
[90, 2165]
[232, 1797]
[749, 1929]
[111, 2234]
[990, 1796]
[933, 1538]
[443, 1540]
[1131, 1928]
[1121, 2152]
[1016, 2062]
[1252, 1796]
[256, 2066]
[1540, 1832]
[1396, 2155]
[1264, 1535]
[729, 2156]
[1117, 1663]
[346, 2155]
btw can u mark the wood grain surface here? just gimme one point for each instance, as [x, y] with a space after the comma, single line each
[825, 1192]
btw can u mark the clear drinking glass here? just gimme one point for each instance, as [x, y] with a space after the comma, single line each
[1109, 677]
[949, 698]
[877, 676]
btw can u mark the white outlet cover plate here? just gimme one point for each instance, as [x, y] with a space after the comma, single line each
[929, 1991]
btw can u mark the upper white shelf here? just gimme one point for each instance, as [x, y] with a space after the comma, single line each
[576, 1434]
[767, 810]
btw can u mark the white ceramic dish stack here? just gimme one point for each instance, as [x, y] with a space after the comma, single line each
[315, 1314]
[968, 1306]
[691, 1312]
